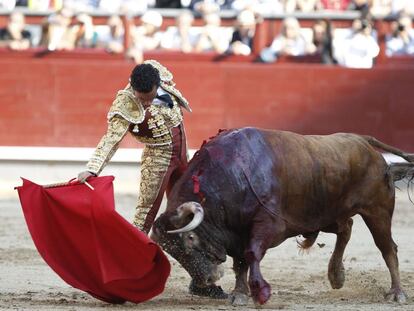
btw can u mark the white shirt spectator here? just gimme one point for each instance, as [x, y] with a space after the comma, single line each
[397, 46]
[401, 42]
[59, 35]
[111, 36]
[357, 51]
[293, 47]
[172, 39]
[181, 37]
[148, 36]
[290, 41]
[212, 36]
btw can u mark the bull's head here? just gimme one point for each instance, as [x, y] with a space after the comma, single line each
[182, 234]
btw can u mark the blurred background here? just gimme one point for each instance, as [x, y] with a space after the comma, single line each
[308, 66]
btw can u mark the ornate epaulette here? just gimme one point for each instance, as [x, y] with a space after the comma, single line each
[126, 106]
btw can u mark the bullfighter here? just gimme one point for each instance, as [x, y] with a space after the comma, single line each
[150, 109]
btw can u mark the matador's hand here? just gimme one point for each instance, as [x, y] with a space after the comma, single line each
[83, 176]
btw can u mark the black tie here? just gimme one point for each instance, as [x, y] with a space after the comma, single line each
[166, 99]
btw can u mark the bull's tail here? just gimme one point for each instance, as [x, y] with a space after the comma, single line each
[409, 157]
[400, 171]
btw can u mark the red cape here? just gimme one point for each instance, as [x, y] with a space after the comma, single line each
[89, 245]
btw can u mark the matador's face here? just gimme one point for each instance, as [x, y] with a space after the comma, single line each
[146, 98]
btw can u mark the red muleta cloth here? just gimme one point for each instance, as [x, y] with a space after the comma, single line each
[89, 245]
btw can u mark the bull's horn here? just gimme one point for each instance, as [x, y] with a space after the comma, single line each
[189, 208]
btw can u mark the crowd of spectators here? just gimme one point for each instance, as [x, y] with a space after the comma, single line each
[382, 7]
[70, 26]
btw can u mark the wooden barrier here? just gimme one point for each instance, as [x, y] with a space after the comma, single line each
[62, 100]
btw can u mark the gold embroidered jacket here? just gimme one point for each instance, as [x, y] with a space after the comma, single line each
[150, 126]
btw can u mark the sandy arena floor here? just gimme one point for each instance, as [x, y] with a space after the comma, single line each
[299, 281]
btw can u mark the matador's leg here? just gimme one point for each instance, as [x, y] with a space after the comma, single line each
[155, 173]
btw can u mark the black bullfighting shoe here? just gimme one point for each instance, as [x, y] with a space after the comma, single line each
[212, 291]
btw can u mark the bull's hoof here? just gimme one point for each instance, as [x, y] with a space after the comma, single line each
[260, 294]
[238, 299]
[336, 274]
[211, 291]
[397, 295]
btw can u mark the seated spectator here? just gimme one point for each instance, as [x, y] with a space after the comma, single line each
[13, 35]
[180, 37]
[147, 36]
[359, 49]
[335, 5]
[211, 37]
[401, 42]
[322, 41]
[111, 38]
[83, 32]
[57, 34]
[242, 39]
[302, 5]
[289, 42]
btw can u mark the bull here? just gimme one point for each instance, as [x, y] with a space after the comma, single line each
[248, 190]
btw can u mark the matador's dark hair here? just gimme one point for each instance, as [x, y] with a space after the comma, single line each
[144, 77]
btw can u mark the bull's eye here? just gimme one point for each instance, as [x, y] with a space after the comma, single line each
[191, 237]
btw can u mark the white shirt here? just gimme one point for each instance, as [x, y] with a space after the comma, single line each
[158, 102]
[357, 51]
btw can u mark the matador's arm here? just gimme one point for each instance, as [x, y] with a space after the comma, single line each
[117, 128]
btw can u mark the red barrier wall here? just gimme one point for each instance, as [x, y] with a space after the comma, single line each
[63, 102]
